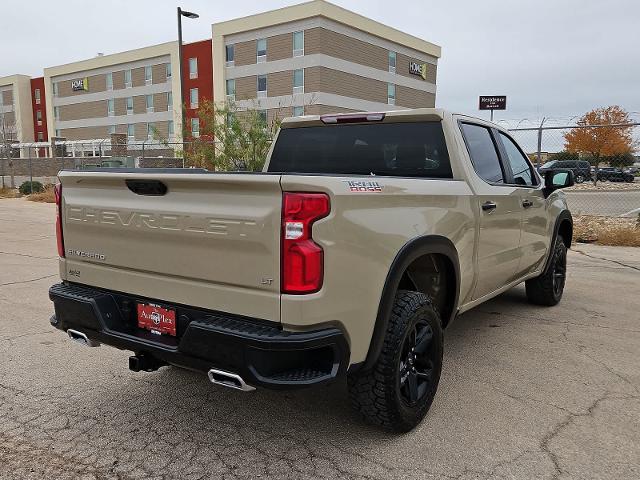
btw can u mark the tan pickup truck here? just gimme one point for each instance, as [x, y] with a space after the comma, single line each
[363, 238]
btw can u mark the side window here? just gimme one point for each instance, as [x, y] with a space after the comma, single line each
[483, 153]
[520, 167]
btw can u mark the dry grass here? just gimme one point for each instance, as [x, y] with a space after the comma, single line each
[48, 196]
[9, 192]
[618, 232]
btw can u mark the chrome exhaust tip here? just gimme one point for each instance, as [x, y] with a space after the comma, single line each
[81, 338]
[227, 379]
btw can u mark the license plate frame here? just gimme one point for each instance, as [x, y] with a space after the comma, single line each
[157, 319]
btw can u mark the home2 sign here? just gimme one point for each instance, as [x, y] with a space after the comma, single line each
[418, 69]
[80, 84]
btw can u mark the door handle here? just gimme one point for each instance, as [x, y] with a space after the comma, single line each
[489, 206]
[527, 203]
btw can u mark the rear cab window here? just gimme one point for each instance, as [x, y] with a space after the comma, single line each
[409, 149]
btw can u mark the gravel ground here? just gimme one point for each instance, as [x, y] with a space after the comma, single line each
[526, 392]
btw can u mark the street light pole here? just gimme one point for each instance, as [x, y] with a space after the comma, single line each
[182, 13]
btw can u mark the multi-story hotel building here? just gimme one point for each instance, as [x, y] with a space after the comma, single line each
[311, 58]
[317, 58]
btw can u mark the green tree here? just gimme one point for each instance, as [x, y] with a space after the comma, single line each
[230, 139]
[564, 155]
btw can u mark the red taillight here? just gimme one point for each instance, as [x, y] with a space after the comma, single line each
[302, 258]
[58, 194]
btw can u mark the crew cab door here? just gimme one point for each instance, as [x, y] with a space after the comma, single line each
[534, 239]
[499, 204]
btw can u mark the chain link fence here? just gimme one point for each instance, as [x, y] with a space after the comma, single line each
[606, 185]
[41, 162]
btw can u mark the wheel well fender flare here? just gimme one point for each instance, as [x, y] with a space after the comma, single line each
[429, 244]
[563, 218]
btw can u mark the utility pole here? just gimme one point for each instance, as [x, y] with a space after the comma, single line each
[182, 13]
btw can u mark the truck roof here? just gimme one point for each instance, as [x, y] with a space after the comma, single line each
[406, 115]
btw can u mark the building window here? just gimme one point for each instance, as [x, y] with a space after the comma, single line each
[127, 79]
[298, 111]
[262, 86]
[231, 90]
[193, 68]
[193, 98]
[58, 133]
[298, 81]
[298, 44]
[40, 137]
[261, 50]
[56, 113]
[195, 127]
[230, 54]
[55, 89]
[111, 108]
[167, 70]
[170, 129]
[262, 114]
[391, 94]
[392, 62]
[37, 95]
[109, 81]
[150, 131]
[39, 117]
[129, 105]
[149, 103]
[169, 101]
[148, 75]
[131, 132]
[112, 129]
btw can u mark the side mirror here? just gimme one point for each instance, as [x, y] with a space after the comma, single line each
[554, 179]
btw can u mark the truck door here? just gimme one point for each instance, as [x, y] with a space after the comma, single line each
[500, 208]
[534, 240]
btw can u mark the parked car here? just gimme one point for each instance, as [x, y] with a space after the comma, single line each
[581, 169]
[361, 241]
[614, 175]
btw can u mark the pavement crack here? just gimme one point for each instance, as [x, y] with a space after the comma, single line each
[607, 260]
[26, 255]
[28, 281]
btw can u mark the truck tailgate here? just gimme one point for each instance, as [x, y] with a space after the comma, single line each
[211, 241]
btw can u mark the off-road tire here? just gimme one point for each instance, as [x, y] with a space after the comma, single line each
[543, 290]
[377, 393]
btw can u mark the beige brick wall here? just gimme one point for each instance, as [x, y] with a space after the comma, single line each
[159, 73]
[140, 130]
[412, 98]
[402, 68]
[245, 53]
[246, 87]
[279, 47]
[7, 97]
[85, 133]
[322, 79]
[118, 80]
[320, 40]
[79, 111]
[120, 106]
[137, 77]
[160, 102]
[280, 83]
[139, 104]
[97, 83]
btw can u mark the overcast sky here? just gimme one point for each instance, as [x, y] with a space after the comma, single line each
[553, 58]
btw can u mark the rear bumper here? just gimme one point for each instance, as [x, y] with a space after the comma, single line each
[257, 350]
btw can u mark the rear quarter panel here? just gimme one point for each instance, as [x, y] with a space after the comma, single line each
[362, 236]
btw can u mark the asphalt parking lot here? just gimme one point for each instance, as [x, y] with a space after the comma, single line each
[526, 392]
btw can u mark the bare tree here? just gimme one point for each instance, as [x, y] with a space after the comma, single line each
[8, 136]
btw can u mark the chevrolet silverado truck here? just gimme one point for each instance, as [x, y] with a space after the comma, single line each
[347, 257]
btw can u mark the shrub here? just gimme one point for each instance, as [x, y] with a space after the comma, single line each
[31, 187]
[46, 196]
